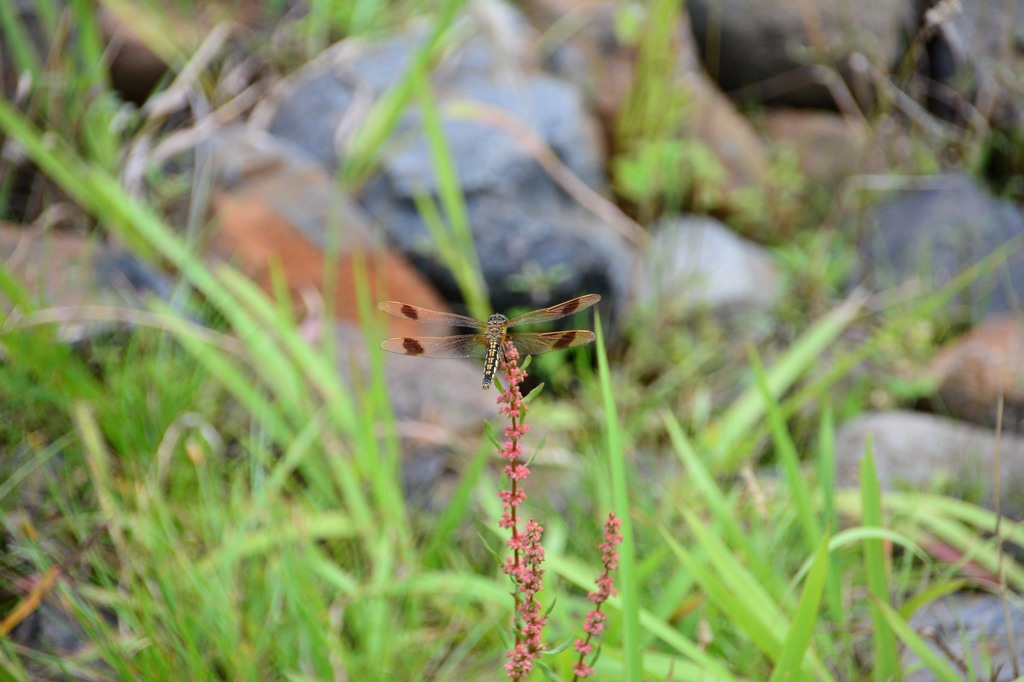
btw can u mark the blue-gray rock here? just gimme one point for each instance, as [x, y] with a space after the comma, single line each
[927, 452]
[311, 114]
[535, 243]
[977, 60]
[980, 622]
[90, 286]
[925, 237]
[763, 52]
[698, 263]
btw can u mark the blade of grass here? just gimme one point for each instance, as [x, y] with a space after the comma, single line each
[316, 370]
[457, 510]
[894, 623]
[376, 438]
[712, 496]
[737, 592]
[626, 578]
[966, 540]
[36, 462]
[453, 236]
[17, 40]
[789, 663]
[725, 433]
[238, 382]
[885, 661]
[930, 594]
[827, 485]
[763, 635]
[721, 574]
[382, 119]
[785, 450]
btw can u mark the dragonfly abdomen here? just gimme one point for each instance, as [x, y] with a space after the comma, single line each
[496, 326]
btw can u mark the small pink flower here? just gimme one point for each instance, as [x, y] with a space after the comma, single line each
[521, 662]
[582, 646]
[582, 670]
[594, 623]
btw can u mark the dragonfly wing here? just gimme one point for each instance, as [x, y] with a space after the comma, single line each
[426, 316]
[556, 311]
[534, 344]
[461, 346]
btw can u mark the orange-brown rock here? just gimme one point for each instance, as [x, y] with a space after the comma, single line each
[976, 368]
[254, 236]
[274, 209]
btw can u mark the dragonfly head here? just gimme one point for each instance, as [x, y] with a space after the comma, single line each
[496, 319]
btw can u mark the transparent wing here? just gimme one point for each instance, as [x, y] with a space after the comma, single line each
[425, 316]
[556, 311]
[535, 344]
[461, 346]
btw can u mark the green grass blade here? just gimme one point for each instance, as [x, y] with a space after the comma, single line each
[385, 114]
[626, 580]
[827, 486]
[761, 627]
[788, 665]
[453, 236]
[457, 509]
[739, 592]
[735, 424]
[17, 41]
[938, 667]
[785, 450]
[582, 575]
[886, 660]
[711, 495]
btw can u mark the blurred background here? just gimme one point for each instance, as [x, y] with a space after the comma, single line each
[804, 220]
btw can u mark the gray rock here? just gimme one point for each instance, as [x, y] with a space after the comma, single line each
[922, 451]
[535, 244]
[928, 236]
[976, 55]
[89, 287]
[700, 264]
[979, 621]
[311, 115]
[764, 48]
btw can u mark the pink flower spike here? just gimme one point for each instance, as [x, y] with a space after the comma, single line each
[594, 623]
[525, 563]
[582, 670]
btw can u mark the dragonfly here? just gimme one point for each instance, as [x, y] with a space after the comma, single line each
[491, 342]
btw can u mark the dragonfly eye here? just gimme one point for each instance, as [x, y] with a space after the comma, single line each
[497, 318]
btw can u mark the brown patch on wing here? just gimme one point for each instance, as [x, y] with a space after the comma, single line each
[567, 308]
[410, 312]
[566, 339]
[412, 346]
